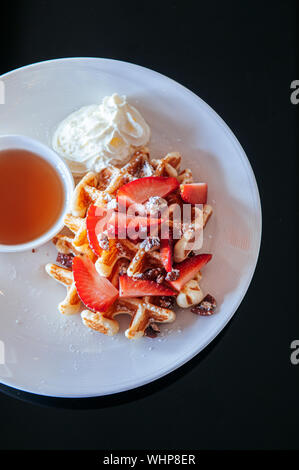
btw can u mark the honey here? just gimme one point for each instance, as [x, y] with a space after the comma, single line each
[31, 196]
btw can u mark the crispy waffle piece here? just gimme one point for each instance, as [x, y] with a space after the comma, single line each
[72, 303]
[199, 221]
[77, 225]
[142, 261]
[101, 188]
[80, 199]
[173, 199]
[137, 255]
[207, 212]
[191, 293]
[138, 167]
[118, 249]
[141, 310]
[145, 256]
[168, 165]
[95, 193]
[99, 197]
[182, 246]
[119, 269]
[185, 177]
[64, 245]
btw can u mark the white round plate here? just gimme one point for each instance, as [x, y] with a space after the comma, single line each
[49, 354]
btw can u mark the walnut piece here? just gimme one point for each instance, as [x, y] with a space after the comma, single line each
[166, 301]
[153, 274]
[173, 275]
[150, 243]
[103, 241]
[65, 260]
[206, 307]
[152, 330]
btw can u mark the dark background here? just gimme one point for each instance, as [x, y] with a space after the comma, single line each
[240, 57]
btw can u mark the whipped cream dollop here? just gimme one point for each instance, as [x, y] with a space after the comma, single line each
[100, 134]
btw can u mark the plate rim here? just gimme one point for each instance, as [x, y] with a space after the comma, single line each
[258, 236]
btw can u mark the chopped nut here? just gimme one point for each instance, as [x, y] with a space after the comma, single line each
[103, 241]
[206, 307]
[150, 243]
[152, 331]
[152, 274]
[160, 278]
[166, 301]
[65, 260]
[123, 270]
[173, 275]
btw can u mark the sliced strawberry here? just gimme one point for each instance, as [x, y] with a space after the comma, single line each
[130, 287]
[94, 228]
[188, 268]
[123, 225]
[140, 190]
[194, 193]
[166, 253]
[95, 291]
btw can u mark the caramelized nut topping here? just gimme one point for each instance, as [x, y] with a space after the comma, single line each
[152, 331]
[150, 243]
[173, 275]
[103, 241]
[65, 260]
[123, 270]
[152, 274]
[166, 301]
[206, 307]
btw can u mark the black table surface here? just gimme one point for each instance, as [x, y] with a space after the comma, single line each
[241, 392]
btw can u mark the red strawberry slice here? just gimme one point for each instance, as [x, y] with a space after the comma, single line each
[123, 225]
[194, 193]
[130, 287]
[140, 190]
[188, 268]
[95, 291]
[94, 228]
[166, 253]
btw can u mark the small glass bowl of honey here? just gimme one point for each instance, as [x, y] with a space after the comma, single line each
[36, 187]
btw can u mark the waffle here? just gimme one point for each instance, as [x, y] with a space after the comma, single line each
[124, 255]
[142, 311]
[72, 303]
[188, 241]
